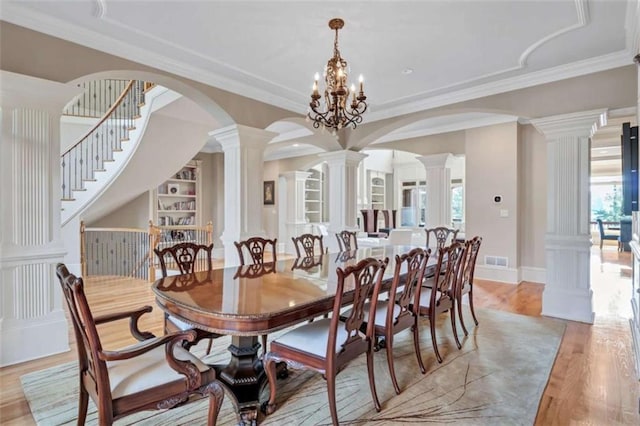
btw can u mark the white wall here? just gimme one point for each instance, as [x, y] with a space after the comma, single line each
[492, 170]
[72, 129]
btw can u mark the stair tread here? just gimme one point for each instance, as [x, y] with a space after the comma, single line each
[68, 199]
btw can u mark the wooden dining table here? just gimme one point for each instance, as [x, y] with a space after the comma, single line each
[248, 301]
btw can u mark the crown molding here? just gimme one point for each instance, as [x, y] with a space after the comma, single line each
[70, 32]
[574, 69]
[252, 86]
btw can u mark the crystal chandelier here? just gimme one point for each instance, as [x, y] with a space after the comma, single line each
[336, 113]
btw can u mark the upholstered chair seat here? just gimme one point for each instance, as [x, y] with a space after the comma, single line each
[129, 376]
[313, 337]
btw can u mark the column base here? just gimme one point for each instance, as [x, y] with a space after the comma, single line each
[573, 305]
[47, 336]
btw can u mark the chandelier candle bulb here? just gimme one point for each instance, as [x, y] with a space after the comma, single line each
[361, 79]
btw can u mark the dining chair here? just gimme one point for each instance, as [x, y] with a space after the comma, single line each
[187, 258]
[465, 282]
[256, 248]
[400, 310]
[155, 373]
[604, 236]
[328, 345]
[306, 245]
[440, 236]
[437, 295]
[347, 240]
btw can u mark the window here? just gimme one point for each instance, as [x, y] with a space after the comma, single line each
[606, 201]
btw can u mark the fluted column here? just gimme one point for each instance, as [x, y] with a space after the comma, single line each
[293, 208]
[243, 175]
[438, 209]
[32, 319]
[567, 293]
[343, 186]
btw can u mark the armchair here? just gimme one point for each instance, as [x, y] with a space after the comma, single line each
[156, 373]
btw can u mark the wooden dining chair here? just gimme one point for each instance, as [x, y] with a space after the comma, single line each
[465, 281]
[440, 237]
[308, 245]
[401, 309]
[186, 258]
[347, 240]
[437, 295]
[256, 248]
[328, 345]
[156, 373]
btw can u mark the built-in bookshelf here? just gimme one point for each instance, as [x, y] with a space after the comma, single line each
[314, 197]
[377, 190]
[176, 201]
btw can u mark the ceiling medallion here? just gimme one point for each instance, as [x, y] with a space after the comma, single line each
[336, 112]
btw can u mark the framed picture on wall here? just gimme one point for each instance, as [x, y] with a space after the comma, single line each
[269, 191]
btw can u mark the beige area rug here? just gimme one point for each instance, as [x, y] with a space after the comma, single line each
[497, 378]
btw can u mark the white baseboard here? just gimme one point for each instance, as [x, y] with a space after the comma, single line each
[497, 273]
[532, 274]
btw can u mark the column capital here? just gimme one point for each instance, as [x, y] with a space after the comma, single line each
[436, 161]
[295, 175]
[237, 135]
[342, 157]
[579, 124]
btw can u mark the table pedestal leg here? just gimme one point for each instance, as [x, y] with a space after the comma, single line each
[245, 377]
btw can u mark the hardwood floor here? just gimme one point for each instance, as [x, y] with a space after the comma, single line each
[593, 380]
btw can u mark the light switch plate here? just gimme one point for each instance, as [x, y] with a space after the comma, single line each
[504, 213]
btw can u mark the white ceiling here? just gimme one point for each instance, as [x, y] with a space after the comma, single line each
[270, 50]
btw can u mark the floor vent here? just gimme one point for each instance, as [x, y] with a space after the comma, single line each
[498, 261]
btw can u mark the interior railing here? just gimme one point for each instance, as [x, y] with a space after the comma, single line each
[129, 252]
[89, 154]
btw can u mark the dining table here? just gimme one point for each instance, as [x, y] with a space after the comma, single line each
[248, 301]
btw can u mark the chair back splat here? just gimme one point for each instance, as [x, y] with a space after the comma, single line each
[440, 236]
[306, 244]
[256, 248]
[187, 257]
[347, 240]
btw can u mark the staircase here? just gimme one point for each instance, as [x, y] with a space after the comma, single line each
[91, 164]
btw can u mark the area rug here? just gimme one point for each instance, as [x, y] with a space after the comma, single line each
[498, 377]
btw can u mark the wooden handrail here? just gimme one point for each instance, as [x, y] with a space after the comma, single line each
[104, 118]
[144, 231]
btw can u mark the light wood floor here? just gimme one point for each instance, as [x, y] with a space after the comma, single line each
[593, 380]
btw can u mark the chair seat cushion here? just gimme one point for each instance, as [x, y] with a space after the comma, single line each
[147, 370]
[313, 337]
[381, 312]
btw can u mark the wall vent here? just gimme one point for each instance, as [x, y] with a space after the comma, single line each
[499, 261]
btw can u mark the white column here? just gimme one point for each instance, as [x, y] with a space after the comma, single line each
[243, 176]
[343, 189]
[567, 293]
[32, 319]
[438, 209]
[294, 209]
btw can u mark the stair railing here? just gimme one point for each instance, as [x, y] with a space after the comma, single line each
[128, 252]
[88, 155]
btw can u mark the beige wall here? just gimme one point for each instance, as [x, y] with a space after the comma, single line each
[533, 196]
[212, 193]
[492, 169]
[453, 142]
[133, 214]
